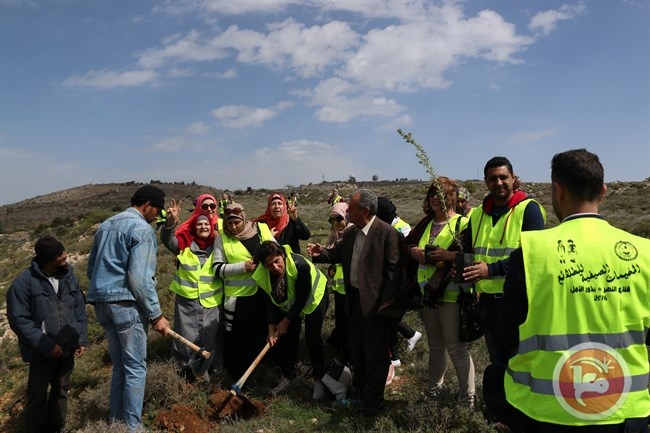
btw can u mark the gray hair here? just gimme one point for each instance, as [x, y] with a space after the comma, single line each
[367, 200]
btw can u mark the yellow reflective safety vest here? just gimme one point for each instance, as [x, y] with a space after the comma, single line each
[338, 282]
[242, 284]
[444, 240]
[162, 217]
[317, 289]
[582, 357]
[400, 225]
[494, 243]
[193, 281]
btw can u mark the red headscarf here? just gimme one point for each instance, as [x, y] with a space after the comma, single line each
[278, 224]
[185, 233]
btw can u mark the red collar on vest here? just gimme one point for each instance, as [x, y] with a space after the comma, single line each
[517, 197]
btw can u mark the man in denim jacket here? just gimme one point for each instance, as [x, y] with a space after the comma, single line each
[46, 310]
[122, 269]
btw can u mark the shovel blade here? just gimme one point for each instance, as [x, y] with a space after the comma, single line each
[199, 364]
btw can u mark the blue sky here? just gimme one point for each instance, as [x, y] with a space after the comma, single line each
[274, 93]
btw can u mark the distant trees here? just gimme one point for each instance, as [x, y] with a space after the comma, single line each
[375, 178]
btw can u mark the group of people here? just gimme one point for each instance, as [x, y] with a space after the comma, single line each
[565, 311]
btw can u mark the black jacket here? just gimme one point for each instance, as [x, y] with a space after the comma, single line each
[42, 318]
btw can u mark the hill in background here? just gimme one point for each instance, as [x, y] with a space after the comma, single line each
[73, 216]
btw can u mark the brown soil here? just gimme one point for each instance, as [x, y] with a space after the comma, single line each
[183, 419]
[220, 405]
[223, 404]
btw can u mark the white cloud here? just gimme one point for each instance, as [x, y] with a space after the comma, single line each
[307, 51]
[198, 128]
[105, 79]
[210, 7]
[526, 137]
[169, 144]
[242, 116]
[411, 56]
[191, 48]
[545, 22]
[228, 74]
[339, 101]
[181, 72]
[398, 123]
[309, 161]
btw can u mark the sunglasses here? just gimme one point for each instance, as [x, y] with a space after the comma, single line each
[233, 211]
[337, 219]
[205, 206]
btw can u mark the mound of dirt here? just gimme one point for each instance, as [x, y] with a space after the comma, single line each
[220, 405]
[183, 419]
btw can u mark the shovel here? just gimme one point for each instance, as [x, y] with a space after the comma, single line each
[235, 390]
[201, 359]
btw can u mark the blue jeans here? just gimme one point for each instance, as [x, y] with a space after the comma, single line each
[125, 326]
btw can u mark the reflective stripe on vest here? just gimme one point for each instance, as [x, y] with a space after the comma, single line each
[338, 285]
[443, 240]
[582, 358]
[494, 243]
[241, 284]
[317, 289]
[193, 281]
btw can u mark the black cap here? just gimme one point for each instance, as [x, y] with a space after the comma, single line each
[47, 249]
[150, 193]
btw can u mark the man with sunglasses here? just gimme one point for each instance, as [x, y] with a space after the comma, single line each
[122, 274]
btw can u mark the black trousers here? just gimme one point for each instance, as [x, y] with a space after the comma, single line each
[495, 399]
[248, 335]
[406, 331]
[286, 349]
[43, 413]
[369, 350]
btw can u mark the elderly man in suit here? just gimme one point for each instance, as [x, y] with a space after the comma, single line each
[370, 257]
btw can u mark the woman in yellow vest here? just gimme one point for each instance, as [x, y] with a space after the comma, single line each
[338, 338]
[199, 294]
[244, 312]
[284, 222]
[440, 313]
[295, 289]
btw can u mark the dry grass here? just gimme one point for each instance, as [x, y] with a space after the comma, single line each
[73, 216]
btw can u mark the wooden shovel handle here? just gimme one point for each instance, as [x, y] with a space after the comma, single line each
[204, 353]
[240, 382]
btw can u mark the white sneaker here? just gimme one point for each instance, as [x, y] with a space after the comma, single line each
[319, 391]
[396, 362]
[338, 387]
[282, 386]
[391, 374]
[410, 343]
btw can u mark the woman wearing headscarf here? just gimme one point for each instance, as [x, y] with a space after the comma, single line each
[199, 293]
[430, 242]
[244, 305]
[296, 290]
[284, 222]
[338, 339]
